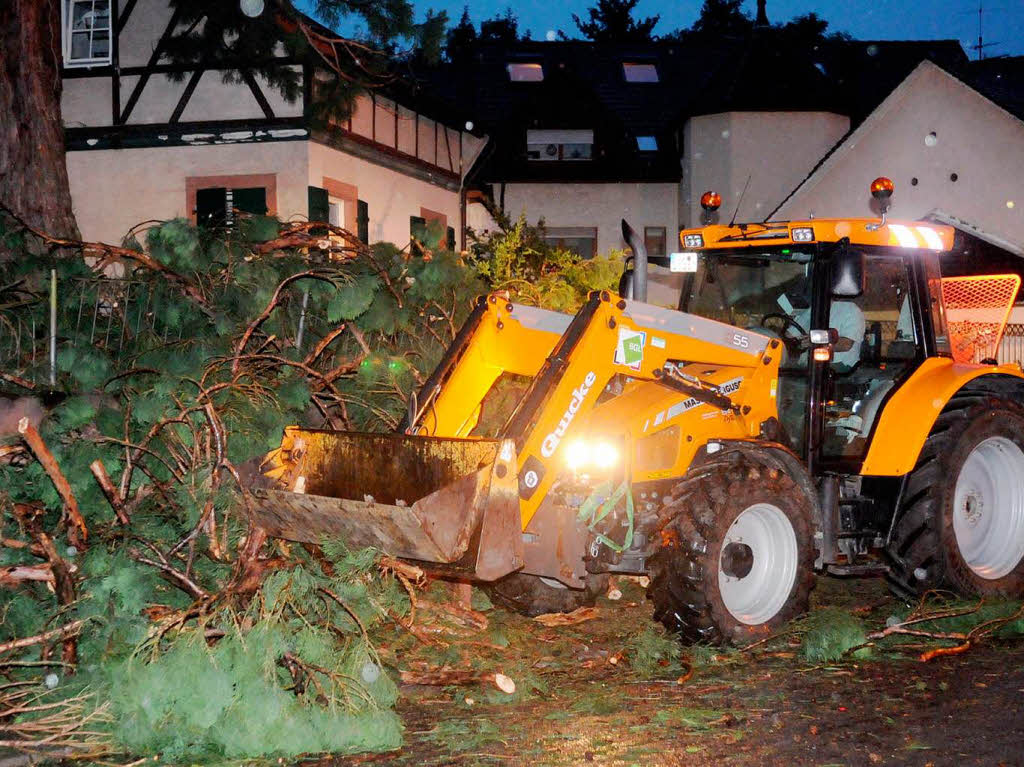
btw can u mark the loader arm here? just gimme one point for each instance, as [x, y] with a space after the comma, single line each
[498, 337]
[644, 342]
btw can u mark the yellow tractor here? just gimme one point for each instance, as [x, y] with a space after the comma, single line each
[825, 397]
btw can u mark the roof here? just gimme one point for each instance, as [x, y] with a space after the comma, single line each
[1001, 80]
[584, 88]
[850, 141]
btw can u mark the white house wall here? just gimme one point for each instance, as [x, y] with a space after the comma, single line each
[86, 101]
[113, 190]
[144, 27]
[392, 197]
[775, 150]
[974, 138]
[602, 206]
[597, 205]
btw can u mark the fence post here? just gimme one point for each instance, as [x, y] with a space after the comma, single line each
[302, 322]
[53, 327]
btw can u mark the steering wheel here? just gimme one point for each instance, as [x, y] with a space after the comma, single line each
[794, 344]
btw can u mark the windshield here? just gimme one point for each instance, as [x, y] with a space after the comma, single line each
[742, 288]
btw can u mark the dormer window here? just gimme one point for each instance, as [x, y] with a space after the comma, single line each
[636, 72]
[525, 72]
[647, 143]
[86, 32]
[559, 144]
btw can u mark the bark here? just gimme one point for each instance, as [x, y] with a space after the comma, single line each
[33, 173]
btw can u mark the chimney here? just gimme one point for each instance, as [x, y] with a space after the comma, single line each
[762, 14]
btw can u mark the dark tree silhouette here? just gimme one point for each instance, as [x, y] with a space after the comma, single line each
[461, 39]
[612, 21]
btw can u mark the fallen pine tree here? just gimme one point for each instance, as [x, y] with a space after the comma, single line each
[142, 612]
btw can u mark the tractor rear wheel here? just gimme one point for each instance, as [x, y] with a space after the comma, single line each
[963, 524]
[737, 552]
[533, 595]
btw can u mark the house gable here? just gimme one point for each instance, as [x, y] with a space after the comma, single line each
[945, 145]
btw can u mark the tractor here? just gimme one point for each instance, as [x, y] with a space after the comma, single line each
[825, 397]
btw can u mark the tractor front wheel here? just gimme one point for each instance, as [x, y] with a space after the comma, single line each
[736, 554]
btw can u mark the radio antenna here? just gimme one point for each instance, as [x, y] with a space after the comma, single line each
[739, 202]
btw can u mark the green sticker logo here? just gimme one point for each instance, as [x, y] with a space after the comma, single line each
[630, 349]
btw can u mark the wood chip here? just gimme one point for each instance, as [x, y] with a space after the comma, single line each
[578, 615]
[504, 683]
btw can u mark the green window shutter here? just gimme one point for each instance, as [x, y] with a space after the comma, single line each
[418, 227]
[251, 200]
[450, 238]
[211, 206]
[363, 221]
[319, 205]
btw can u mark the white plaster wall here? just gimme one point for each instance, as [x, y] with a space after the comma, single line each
[391, 196]
[86, 102]
[143, 29]
[604, 206]
[597, 205]
[113, 190]
[776, 150]
[975, 139]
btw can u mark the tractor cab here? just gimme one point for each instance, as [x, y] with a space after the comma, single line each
[858, 304]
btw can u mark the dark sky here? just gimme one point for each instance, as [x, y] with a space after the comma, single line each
[1002, 21]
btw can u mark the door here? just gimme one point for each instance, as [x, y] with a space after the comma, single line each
[879, 345]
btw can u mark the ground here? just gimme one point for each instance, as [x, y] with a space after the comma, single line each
[765, 706]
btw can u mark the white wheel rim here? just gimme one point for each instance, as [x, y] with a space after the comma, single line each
[756, 596]
[988, 508]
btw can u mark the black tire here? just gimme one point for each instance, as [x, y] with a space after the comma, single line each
[923, 550]
[697, 518]
[530, 595]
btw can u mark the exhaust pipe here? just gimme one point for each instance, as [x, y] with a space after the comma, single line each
[636, 243]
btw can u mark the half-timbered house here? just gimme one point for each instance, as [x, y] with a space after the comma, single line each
[148, 138]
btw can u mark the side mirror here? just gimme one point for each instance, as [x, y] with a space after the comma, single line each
[847, 273]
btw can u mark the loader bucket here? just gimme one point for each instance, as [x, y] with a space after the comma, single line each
[450, 502]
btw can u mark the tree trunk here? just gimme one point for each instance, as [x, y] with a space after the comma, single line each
[33, 174]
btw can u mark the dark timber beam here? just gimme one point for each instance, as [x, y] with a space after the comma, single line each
[123, 17]
[186, 94]
[153, 59]
[257, 93]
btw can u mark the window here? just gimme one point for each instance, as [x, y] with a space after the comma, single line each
[647, 143]
[882, 347]
[525, 72]
[336, 212]
[545, 145]
[216, 206]
[639, 73]
[654, 240]
[581, 240]
[86, 32]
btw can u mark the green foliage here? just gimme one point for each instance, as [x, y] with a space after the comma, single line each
[829, 634]
[517, 258]
[652, 652]
[176, 378]
[284, 686]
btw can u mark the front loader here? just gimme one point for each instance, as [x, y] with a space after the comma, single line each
[822, 393]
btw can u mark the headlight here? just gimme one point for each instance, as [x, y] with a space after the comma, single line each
[582, 454]
[693, 241]
[802, 234]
